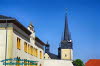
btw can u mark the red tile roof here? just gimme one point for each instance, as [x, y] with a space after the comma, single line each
[93, 62]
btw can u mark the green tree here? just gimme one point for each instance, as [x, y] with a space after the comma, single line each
[78, 62]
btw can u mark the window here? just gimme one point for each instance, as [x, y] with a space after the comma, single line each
[25, 46]
[28, 48]
[40, 54]
[65, 55]
[36, 52]
[30, 63]
[18, 61]
[25, 62]
[18, 43]
[31, 50]
[36, 64]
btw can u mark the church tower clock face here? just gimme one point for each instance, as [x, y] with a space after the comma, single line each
[66, 54]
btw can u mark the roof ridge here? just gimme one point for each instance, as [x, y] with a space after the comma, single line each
[5, 17]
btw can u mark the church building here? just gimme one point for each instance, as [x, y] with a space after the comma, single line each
[65, 50]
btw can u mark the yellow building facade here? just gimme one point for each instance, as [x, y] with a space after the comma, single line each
[17, 41]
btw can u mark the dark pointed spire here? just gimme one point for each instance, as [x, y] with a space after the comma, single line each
[66, 30]
[62, 36]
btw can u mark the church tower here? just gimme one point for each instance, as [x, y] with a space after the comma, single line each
[47, 48]
[65, 51]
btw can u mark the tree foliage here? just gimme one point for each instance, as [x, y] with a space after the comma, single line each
[78, 62]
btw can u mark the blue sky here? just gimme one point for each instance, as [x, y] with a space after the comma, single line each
[48, 18]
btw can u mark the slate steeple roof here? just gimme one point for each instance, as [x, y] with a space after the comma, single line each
[66, 43]
[66, 30]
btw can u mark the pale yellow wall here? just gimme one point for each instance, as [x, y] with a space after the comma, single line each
[66, 54]
[57, 63]
[13, 52]
[46, 56]
[3, 43]
[10, 42]
[21, 53]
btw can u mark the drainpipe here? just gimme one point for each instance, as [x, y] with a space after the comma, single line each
[6, 42]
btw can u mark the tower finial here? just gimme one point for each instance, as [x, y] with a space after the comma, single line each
[47, 42]
[66, 11]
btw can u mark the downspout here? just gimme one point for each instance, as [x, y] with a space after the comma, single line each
[6, 42]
